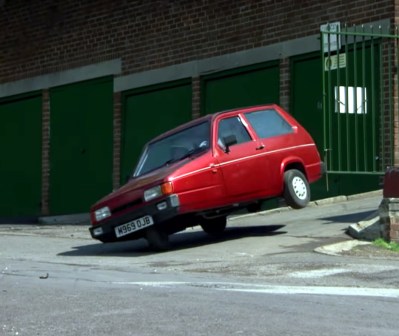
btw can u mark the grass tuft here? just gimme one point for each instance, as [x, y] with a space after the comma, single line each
[392, 246]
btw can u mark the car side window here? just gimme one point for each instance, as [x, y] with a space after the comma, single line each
[268, 123]
[232, 126]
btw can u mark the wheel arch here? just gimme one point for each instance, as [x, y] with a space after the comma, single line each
[293, 163]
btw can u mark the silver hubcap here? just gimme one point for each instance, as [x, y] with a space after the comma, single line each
[299, 187]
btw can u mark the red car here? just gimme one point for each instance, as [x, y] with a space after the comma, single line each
[200, 172]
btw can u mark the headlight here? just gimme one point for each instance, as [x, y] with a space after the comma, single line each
[102, 213]
[152, 193]
[155, 192]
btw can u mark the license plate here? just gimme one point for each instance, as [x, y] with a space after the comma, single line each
[134, 225]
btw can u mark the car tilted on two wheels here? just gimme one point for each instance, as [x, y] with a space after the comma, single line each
[200, 172]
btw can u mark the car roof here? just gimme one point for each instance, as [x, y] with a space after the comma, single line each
[210, 117]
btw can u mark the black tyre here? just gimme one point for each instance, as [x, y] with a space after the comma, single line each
[157, 240]
[215, 226]
[296, 189]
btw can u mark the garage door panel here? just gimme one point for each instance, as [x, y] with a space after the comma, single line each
[241, 87]
[148, 113]
[20, 147]
[81, 145]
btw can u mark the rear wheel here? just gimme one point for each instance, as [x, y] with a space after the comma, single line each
[157, 240]
[215, 226]
[296, 189]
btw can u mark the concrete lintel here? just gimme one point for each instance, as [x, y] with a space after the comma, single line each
[92, 71]
[218, 63]
[156, 76]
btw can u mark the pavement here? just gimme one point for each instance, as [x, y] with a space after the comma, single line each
[363, 232]
[342, 248]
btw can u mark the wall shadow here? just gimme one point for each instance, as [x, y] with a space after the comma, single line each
[349, 218]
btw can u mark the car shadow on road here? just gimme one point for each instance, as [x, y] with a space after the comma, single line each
[180, 241]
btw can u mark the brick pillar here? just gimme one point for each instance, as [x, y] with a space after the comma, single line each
[196, 97]
[389, 207]
[285, 83]
[389, 219]
[45, 152]
[117, 126]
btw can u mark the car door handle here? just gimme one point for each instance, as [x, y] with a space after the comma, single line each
[213, 168]
[261, 146]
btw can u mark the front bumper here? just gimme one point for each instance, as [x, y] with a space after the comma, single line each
[105, 230]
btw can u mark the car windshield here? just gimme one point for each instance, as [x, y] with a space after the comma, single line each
[173, 148]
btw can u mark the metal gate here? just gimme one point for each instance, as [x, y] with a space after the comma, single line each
[360, 106]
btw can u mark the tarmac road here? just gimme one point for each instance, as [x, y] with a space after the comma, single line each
[277, 247]
[262, 278]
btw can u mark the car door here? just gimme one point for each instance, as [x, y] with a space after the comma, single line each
[278, 140]
[240, 162]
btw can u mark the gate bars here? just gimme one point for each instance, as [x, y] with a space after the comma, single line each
[360, 98]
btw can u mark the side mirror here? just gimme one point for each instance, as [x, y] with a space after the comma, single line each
[228, 141]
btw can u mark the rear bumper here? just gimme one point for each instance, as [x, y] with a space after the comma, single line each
[105, 230]
[316, 171]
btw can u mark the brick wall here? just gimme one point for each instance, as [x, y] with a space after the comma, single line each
[40, 37]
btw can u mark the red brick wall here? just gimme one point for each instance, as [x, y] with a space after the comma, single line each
[38, 37]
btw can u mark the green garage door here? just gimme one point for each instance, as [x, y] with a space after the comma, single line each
[148, 113]
[307, 108]
[241, 87]
[81, 145]
[307, 97]
[21, 156]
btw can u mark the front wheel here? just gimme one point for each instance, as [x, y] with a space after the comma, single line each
[215, 226]
[296, 189]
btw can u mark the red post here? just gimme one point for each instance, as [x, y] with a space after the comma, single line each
[391, 183]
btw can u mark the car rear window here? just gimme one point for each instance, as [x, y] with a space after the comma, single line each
[268, 123]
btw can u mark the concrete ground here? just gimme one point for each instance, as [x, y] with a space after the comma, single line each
[357, 243]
